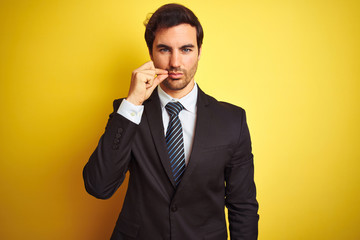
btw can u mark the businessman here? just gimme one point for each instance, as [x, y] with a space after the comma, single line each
[189, 155]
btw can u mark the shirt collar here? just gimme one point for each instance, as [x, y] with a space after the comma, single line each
[188, 101]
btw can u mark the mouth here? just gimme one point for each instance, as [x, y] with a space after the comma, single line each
[175, 75]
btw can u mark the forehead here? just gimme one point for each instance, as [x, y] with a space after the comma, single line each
[178, 35]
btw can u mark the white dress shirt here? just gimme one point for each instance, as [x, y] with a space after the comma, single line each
[187, 116]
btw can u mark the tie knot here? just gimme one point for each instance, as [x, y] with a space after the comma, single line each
[174, 108]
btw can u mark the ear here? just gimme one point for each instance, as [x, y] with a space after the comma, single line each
[199, 53]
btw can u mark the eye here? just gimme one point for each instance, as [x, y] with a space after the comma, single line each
[186, 50]
[164, 50]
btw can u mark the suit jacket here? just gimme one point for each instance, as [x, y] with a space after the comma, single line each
[220, 173]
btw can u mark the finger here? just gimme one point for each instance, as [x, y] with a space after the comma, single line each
[157, 81]
[148, 72]
[152, 72]
[161, 71]
[147, 65]
[149, 83]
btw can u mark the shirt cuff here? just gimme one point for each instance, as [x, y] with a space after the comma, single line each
[130, 111]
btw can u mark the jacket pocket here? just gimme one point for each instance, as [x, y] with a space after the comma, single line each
[215, 148]
[127, 227]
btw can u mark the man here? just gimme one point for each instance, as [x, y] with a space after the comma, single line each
[188, 155]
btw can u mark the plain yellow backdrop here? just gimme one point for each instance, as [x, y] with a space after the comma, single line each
[293, 65]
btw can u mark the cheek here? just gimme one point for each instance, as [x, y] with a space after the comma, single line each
[160, 62]
[191, 63]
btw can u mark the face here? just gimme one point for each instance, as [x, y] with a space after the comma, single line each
[175, 50]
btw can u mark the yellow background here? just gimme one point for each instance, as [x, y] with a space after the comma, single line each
[293, 65]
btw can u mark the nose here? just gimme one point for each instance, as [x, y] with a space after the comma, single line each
[175, 59]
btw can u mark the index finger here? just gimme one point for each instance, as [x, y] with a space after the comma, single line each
[147, 66]
[160, 71]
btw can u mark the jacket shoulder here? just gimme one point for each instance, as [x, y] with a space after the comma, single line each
[224, 107]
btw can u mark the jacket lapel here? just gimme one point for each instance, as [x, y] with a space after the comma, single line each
[202, 126]
[153, 113]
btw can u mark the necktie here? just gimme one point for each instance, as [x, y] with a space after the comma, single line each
[174, 141]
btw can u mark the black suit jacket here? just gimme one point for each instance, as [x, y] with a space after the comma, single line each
[220, 173]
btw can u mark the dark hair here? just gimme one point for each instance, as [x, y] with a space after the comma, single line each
[171, 15]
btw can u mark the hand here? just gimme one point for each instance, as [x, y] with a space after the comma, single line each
[143, 82]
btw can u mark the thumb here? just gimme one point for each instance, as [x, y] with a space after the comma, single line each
[158, 80]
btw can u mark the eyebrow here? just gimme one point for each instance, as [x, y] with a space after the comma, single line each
[168, 47]
[188, 46]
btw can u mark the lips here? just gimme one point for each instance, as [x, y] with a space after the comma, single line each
[175, 75]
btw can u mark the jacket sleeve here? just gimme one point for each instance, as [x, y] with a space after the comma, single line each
[240, 198]
[106, 169]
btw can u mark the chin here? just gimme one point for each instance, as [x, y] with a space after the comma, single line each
[175, 84]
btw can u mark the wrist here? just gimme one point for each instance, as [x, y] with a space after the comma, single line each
[134, 101]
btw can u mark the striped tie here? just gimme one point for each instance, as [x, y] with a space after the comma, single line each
[174, 141]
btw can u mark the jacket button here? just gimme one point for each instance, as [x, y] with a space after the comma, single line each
[174, 208]
[120, 130]
[118, 135]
